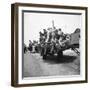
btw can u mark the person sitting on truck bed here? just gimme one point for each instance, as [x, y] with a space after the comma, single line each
[54, 40]
[64, 40]
[45, 33]
[61, 37]
[60, 33]
[49, 36]
[42, 37]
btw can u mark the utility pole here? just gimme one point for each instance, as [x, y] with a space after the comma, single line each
[53, 27]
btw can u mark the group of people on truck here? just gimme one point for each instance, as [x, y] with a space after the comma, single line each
[53, 36]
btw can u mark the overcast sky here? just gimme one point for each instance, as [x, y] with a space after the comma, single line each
[36, 22]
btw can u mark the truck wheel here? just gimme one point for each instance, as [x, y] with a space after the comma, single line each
[44, 56]
[60, 54]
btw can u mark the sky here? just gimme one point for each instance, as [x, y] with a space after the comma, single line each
[36, 22]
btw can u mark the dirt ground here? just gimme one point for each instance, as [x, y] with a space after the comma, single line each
[35, 66]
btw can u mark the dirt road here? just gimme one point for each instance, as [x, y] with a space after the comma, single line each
[35, 66]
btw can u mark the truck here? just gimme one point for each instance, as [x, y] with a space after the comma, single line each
[70, 41]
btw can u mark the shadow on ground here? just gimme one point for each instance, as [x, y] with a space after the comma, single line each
[63, 59]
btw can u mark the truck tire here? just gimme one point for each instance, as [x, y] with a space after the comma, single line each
[44, 57]
[60, 54]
